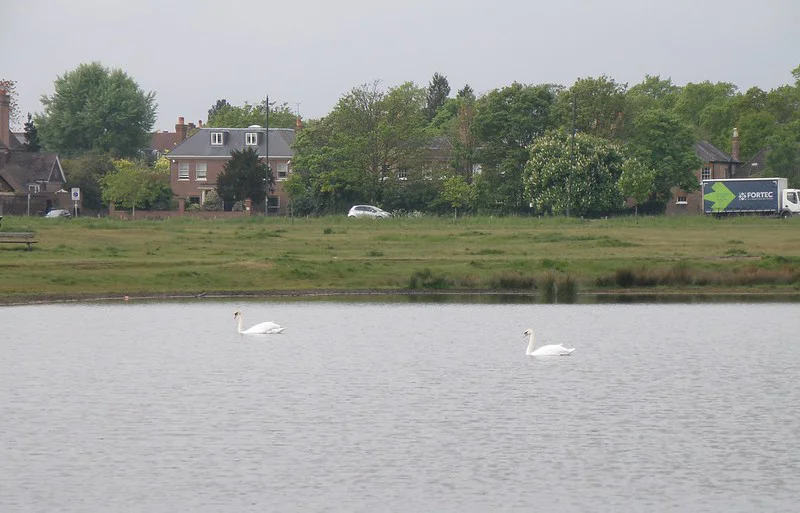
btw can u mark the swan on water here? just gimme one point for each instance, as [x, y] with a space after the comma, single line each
[264, 328]
[548, 350]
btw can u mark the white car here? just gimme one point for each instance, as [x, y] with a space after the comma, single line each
[367, 211]
[58, 212]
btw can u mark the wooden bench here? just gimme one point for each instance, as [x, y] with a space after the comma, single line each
[18, 238]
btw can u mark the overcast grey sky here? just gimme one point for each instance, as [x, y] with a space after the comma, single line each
[311, 52]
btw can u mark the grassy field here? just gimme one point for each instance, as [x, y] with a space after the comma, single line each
[105, 257]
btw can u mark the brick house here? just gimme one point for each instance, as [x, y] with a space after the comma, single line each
[716, 164]
[29, 182]
[197, 160]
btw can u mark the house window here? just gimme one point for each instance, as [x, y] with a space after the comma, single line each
[283, 170]
[201, 171]
[273, 204]
[183, 171]
[251, 139]
[33, 188]
[402, 174]
[705, 174]
[216, 138]
[680, 200]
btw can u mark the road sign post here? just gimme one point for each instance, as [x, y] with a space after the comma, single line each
[75, 194]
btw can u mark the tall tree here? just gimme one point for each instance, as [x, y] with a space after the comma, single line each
[32, 143]
[437, 93]
[506, 122]
[664, 143]
[588, 183]
[357, 150]
[95, 108]
[244, 176]
[218, 106]
[599, 107]
[232, 116]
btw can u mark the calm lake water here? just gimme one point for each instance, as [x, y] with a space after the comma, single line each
[406, 407]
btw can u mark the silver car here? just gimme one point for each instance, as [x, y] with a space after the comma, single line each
[367, 211]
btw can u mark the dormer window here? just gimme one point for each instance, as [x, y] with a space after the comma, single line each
[251, 139]
[216, 138]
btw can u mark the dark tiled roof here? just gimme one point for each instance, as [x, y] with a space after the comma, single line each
[163, 141]
[23, 168]
[710, 153]
[199, 144]
[17, 140]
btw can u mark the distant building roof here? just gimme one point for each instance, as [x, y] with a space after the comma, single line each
[199, 144]
[163, 142]
[23, 168]
[710, 153]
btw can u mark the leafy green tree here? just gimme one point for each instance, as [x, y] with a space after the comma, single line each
[505, 123]
[457, 193]
[709, 109]
[599, 107]
[214, 110]
[230, 116]
[636, 182]
[437, 93]
[665, 144]
[783, 158]
[97, 109]
[32, 143]
[85, 172]
[589, 186]
[133, 185]
[244, 176]
[355, 153]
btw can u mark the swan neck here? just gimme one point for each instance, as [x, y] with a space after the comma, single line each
[240, 322]
[530, 344]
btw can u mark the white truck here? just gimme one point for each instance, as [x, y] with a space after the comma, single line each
[763, 196]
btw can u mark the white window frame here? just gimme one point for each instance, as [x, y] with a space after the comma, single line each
[705, 173]
[217, 138]
[283, 171]
[198, 167]
[680, 200]
[33, 188]
[251, 139]
[183, 171]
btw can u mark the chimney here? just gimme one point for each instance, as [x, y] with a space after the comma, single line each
[5, 115]
[298, 124]
[199, 123]
[180, 130]
[735, 144]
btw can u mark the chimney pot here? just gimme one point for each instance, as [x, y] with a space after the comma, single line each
[180, 120]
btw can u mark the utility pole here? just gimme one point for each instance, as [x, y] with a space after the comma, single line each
[266, 156]
[571, 157]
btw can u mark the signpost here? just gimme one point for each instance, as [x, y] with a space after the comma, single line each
[75, 194]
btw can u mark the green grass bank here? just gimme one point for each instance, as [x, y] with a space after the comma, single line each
[88, 257]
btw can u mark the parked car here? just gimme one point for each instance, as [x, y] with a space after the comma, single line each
[367, 211]
[58, 212]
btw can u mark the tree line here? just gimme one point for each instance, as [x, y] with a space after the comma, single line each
[522, 148]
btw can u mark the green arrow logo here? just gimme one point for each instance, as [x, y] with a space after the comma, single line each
[722, 197]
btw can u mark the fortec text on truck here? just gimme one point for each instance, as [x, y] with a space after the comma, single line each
[764, 196]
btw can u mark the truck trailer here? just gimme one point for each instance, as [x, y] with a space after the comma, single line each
[761, 196]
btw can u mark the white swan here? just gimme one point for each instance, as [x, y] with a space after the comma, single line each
[548, 350]
[264, 328]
